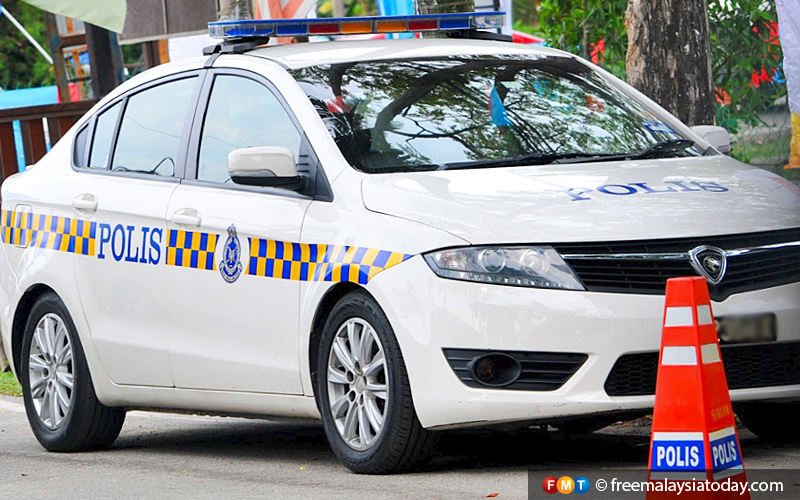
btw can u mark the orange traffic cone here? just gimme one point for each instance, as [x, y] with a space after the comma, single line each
[694, 437]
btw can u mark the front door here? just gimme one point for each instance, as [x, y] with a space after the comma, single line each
[233, 264]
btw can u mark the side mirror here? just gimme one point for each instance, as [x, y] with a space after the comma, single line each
[270, 166]
[718, 137]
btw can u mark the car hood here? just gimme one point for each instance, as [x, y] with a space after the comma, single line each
[603, 201]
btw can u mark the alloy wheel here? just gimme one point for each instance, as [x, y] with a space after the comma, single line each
[358, 384]
[51, 371]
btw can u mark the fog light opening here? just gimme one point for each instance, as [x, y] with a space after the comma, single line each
[495, 369]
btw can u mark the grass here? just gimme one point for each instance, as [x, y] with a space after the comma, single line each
[771, 153]
[9, 385]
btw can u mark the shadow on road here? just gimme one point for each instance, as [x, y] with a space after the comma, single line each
[260, 440]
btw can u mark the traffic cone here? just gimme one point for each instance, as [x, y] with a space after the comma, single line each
[694, 435]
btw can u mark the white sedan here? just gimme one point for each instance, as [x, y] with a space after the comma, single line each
[392, 236]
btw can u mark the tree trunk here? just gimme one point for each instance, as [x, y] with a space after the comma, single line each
[105, 60]
[445, 6]
[669, 56]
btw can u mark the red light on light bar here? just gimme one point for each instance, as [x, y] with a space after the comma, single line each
[423, 25]
[323, 28]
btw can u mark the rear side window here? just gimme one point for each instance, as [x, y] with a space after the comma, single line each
[151, 128]
[79, 150]
[103, 134]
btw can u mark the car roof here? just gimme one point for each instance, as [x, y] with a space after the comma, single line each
[302, 55]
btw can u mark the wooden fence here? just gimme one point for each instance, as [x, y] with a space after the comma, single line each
[59, 118]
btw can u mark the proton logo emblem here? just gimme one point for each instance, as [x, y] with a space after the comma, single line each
[709, 262]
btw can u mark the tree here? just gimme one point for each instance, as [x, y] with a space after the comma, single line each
[593, 29]
[21, 65]
[669, 56]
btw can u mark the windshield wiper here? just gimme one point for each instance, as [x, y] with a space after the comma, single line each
[529, 159]
[661, 149]
[658, 150]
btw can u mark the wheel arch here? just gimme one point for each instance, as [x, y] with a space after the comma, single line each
[21, 318]
[329, 300]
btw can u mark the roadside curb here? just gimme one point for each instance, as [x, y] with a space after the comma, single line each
[12, 404]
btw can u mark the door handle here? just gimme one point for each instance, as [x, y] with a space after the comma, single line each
[85, 203]
[187, 217]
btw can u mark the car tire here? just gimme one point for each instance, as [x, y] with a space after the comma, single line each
[776, 422]
[370, 389]
[60, 401]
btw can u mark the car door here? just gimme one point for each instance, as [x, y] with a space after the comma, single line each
[233, 264]
[128, 173]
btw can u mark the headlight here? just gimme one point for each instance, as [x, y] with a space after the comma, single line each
[540, 267]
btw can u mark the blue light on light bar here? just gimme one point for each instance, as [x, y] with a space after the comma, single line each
[356, 25]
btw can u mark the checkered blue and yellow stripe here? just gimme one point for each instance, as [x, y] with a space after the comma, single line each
[195, 249]
[191, 249]
[318, 262]
[53, 232]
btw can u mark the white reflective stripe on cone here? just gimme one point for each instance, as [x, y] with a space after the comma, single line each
[673, 475]
[722, 433]
[679, 316]
[704, 315]
[677, 436]
[709, 353]
[733, 471]
[683, 355]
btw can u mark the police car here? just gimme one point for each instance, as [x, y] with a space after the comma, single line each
[393, 236]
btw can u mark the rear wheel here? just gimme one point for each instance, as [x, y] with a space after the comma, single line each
[771, 421]
[363, 391]
[60, 401]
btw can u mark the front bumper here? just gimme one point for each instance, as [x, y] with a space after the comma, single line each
[429, 314]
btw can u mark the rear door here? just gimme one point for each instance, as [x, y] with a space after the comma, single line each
[128, 173]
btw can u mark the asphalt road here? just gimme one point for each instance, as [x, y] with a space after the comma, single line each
[174, 456]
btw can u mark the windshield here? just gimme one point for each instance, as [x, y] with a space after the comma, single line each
[480, 111]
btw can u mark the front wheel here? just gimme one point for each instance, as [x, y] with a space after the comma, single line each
[363, 392]
[60, 401]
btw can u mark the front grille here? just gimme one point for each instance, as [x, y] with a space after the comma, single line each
[541, 371]
[770, 258]
[746, 367]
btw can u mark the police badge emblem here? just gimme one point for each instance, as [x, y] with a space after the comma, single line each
[231, 266]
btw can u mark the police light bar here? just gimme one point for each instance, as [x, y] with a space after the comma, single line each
[356, 25]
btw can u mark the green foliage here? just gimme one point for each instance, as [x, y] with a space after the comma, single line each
[525, 14]
[351, 7]
[21, 65]
[131, 53]
[9, 385]
[563, 23]
[740, 44]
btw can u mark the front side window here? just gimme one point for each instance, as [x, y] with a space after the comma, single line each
[151, 128]
[241, 113]
[480, 111]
